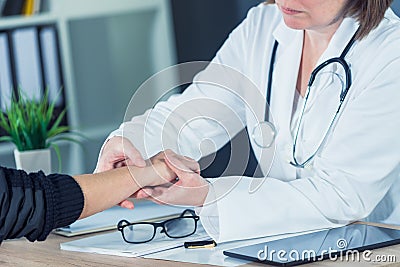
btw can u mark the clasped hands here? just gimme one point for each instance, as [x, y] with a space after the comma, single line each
[166, 178]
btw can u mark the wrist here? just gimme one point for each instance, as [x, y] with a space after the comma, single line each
[139, 176]
[151, 175]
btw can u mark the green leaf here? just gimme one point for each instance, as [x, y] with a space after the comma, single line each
[57, 131]
[57, 150]
[31, 124]
[55, 128]
[6, 139]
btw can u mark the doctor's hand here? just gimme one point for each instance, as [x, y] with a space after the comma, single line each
[119, 152]
[190, 190]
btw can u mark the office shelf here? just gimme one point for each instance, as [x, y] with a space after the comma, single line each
[22, 21]
[107, 48]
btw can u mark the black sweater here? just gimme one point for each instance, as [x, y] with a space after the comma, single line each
[32, 205]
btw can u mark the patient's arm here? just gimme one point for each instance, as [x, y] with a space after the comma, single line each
[104, 190]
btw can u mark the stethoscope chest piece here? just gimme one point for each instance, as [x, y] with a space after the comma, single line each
[264, 134]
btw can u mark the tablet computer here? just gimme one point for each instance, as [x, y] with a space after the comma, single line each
[352, 242]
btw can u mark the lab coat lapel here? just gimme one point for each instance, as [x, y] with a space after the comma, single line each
[324, 97]
[340, 39]
[335, 48]
[284, 83]
[283, 87]
[285, 76]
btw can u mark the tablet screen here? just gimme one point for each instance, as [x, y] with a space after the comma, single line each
[353, 242]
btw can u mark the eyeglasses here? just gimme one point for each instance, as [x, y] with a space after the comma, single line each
[142, 232]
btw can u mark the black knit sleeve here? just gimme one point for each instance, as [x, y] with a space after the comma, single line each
[34, 204]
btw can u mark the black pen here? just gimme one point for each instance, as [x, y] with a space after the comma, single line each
[200, 244]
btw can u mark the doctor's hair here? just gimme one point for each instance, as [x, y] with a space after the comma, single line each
[369, 13]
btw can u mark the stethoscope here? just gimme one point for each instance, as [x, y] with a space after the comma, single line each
[264, 133]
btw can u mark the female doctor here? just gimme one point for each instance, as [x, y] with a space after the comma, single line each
[329, 72]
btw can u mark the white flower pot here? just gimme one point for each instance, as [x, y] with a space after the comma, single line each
[33, 160]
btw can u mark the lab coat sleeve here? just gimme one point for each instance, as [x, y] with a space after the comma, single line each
[352, 174]
[208, 213]
[212, 108]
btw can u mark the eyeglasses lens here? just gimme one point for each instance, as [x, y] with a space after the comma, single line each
[138, 232]
[180, 227]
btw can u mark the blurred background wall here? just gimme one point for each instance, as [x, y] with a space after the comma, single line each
[201, 27]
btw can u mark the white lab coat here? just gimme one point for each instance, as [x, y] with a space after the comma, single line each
[356, 173]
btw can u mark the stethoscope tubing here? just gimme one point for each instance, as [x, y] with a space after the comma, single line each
[267, 122]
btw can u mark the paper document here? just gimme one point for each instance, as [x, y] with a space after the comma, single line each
[114, 244]
[215, 255]
[164, 248]
[108, 219]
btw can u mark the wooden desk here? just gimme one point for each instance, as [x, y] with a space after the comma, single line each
[48, 253]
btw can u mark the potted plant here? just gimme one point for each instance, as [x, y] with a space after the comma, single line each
[33, 127]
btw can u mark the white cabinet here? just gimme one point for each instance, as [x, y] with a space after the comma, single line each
[107, 48]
